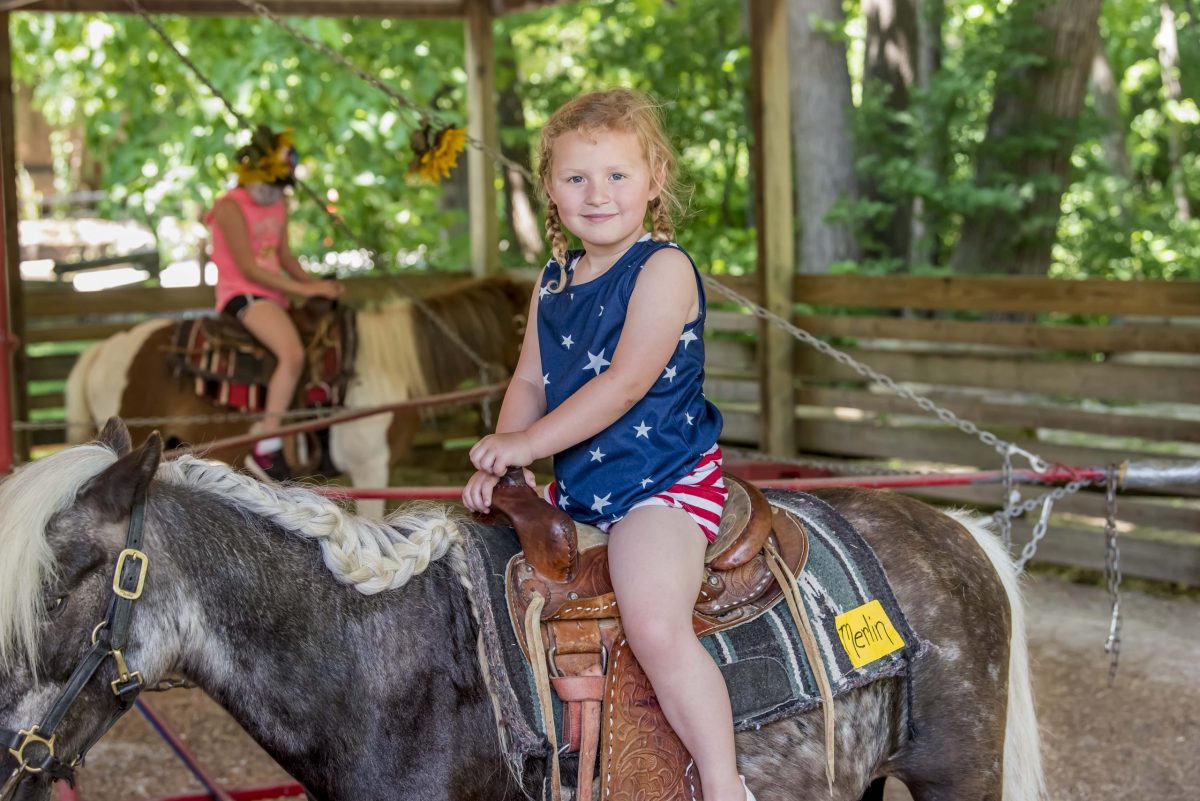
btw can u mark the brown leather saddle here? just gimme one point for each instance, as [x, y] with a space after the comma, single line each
[231, 368]
[563, 609]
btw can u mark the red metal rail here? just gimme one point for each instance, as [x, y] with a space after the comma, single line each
[1055, 476]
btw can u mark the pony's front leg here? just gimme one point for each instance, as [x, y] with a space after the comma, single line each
[360, 449]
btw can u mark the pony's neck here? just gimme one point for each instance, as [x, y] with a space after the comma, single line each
[310, 667]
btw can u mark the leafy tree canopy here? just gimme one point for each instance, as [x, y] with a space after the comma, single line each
[161, 143]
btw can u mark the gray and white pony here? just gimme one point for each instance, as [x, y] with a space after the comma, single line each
[347, 647]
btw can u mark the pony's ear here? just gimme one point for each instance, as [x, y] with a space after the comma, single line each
[116, 436]
[112, 492]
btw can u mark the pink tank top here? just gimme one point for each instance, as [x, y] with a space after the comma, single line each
[265, 226]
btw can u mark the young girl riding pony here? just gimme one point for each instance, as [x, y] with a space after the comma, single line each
[256, 271]
[610, 383]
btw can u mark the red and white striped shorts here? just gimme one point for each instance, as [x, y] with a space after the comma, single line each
[701, 493]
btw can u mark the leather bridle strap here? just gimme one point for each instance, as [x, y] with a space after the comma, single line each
[109, 639]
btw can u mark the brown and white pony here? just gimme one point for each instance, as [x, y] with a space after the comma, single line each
[401, 355]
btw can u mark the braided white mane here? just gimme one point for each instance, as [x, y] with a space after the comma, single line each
[369, 555]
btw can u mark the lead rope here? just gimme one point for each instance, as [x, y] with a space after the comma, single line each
[791, 593]
[541, 681]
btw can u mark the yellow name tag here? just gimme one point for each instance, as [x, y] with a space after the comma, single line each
[867, 634]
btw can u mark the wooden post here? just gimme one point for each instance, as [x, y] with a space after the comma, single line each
[481, 127]
[773, 193]
[12, 335]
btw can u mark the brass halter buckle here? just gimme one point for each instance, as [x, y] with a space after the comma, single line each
[31, 737]
[143, 564]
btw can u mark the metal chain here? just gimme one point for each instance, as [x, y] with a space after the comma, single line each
[1011, 497]
[486, 370]
[866, 371]
[187, 62]
[1112, 572]
[1046, 500]
[428, 114]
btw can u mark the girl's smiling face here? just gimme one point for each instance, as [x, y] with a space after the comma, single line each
[602, 186]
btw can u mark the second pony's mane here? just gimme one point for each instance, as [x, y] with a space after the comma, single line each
[369, 555]
[404, 354]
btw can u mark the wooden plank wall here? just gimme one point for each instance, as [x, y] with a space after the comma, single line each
[1082, 372]
[1085, 373]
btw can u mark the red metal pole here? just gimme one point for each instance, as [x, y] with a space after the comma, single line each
[875, 482]
[8, 238]
[6, 349]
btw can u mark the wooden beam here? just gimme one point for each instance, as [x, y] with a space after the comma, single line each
[1126, 337]
[390, 9]
[482, 127]
[1076, 378]
[1002, 293]
[12, 240]
[770, 111]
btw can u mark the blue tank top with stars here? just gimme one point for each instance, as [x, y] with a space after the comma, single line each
[662, 436]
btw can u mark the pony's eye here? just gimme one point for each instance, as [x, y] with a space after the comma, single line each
[55, 606]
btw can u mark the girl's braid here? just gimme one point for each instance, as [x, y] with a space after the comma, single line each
[558, 245]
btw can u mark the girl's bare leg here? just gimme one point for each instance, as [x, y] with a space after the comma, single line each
[271, 326]
[656, 558]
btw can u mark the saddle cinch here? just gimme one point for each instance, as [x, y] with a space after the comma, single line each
[231, 368]
[562, 606]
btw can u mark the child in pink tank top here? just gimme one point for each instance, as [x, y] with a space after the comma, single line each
[256, 271]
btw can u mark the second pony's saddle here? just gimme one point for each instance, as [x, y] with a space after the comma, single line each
[563, 608]
[231, 368]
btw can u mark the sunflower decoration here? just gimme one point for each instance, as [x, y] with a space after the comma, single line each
[435, 152]
[269, 159]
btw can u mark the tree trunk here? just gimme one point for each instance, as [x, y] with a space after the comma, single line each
[890, 66]
[1167, 43]
[1108, 107]
[930, 14]
[518, 194]
[1031, 133]
[824, 148]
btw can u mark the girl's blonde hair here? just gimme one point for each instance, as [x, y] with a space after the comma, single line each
[625, 111]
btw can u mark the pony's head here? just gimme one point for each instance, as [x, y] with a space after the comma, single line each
[63, 522]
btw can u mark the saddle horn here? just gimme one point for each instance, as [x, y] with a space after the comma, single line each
[546, 533]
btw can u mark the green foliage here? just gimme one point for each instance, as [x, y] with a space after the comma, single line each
[936, 149]
[160, 143]
[163, 143]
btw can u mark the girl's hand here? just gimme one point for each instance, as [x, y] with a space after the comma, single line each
[323, 289]
[477, 495]
[495, 453]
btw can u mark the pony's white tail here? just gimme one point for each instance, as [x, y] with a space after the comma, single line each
[1023, 776]
[80, 423]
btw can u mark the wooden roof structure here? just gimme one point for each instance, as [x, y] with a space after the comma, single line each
[769, 111]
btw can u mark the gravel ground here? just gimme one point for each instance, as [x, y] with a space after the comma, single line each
[1138, 739]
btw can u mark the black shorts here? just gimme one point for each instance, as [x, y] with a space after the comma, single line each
[236, 306]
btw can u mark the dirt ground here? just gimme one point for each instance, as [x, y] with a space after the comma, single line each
[1138, 739]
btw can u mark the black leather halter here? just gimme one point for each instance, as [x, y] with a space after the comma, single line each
[34, 748]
